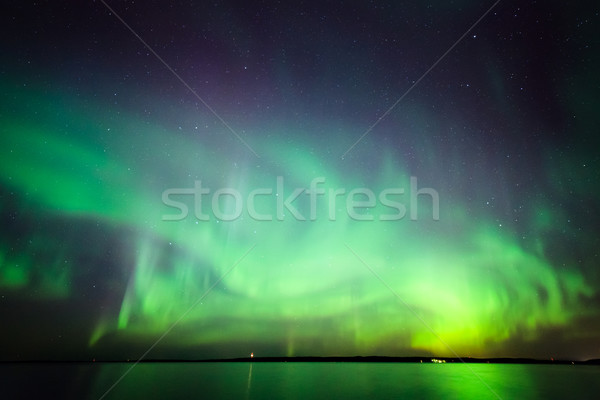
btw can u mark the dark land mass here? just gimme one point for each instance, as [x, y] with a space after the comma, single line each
[358, 359]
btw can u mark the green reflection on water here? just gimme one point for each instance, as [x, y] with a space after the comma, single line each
[300, 380]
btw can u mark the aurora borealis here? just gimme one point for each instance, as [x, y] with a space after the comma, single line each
[94, 128]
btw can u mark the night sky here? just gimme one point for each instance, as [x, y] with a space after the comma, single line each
[94, 128]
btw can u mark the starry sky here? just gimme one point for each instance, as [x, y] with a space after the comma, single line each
[97, 121]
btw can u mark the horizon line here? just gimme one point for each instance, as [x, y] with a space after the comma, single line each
[390, 359]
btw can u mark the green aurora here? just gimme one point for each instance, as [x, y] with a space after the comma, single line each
[476, 282]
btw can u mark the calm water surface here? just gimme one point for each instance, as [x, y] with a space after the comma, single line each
[300, 380]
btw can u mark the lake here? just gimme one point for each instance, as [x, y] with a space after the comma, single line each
[299, 380]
